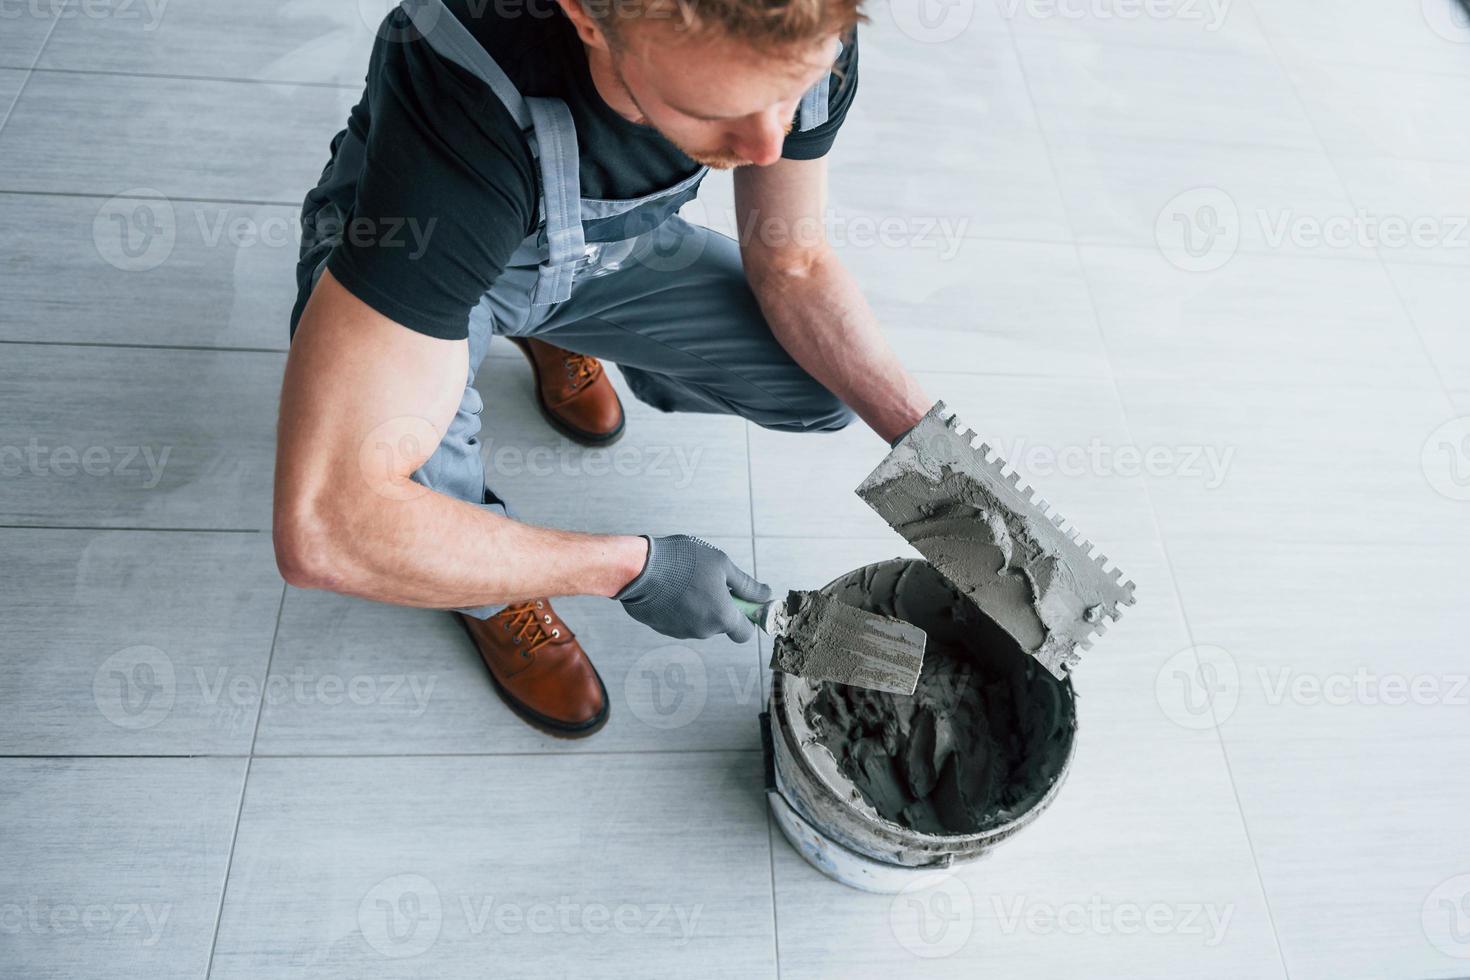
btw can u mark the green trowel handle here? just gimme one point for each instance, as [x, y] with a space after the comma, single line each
[754, 611]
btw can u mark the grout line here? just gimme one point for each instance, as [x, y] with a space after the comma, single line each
[1383, 263]
[760, 679]
[224, 890]
[109, 345]
[5, 118]
[176, 198]
[325, 756]
[771, 844]
[233, 80]
[1159, 531]
[105, 527]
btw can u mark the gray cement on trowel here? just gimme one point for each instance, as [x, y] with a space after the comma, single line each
[982, 740]
[984, 531]
[822, 639]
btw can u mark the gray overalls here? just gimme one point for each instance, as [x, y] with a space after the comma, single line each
[624, 280]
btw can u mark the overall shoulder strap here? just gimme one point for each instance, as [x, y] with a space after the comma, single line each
[452, 40]
[561, 198]
[814, 102]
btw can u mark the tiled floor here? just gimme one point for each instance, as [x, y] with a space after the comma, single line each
[1147, 250]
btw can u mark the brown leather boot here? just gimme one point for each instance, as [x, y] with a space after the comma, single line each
[540, 669]
[574, 393]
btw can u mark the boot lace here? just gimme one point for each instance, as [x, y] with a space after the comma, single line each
[581, 369]
[530, 625]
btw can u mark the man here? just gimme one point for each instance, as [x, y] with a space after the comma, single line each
[542, 150]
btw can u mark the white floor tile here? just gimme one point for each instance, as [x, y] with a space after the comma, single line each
[351, 677]
[984, 167]
[1396, 112]
[1437, 299]
[276, 40]
[26, 27]
[134, 642]
[1129, 93]
[995, 307]
[1217, 26]
[209, 275]
[1412, 211]
[1360, 853]
[1200, 202]
[645, 864]
[10, 83]
[1256, 320]
[1431, 35]
[1301, 649]
[239, 141]
[113, 867]
[1300, 465]
[113, 437]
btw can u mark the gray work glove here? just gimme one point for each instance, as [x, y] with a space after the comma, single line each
[684, 591]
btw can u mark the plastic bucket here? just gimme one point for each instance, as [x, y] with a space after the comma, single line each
[818, 808]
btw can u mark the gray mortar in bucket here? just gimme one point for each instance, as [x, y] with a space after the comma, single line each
[923, 781]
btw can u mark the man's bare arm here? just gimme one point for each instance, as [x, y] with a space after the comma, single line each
[363, 405]
[812, 303]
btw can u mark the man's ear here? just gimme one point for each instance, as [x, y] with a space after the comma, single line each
[589, 31]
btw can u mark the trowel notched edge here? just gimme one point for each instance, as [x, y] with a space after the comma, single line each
[954, 498]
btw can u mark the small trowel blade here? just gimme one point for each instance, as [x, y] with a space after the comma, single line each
[819, 638]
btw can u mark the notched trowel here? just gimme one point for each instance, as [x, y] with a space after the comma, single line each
[996, 541]
[821, 639]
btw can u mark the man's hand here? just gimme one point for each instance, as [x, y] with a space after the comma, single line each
[812, 303]
[684, 591]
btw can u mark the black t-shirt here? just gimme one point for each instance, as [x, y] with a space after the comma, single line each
[446, 161]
